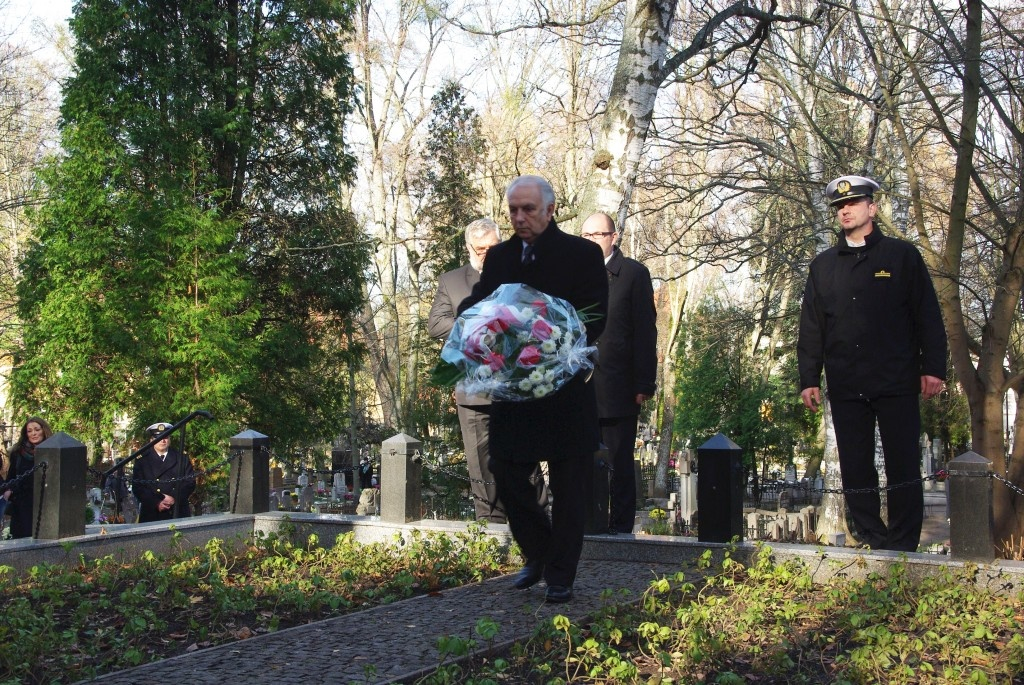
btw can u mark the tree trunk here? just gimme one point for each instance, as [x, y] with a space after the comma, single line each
[627, 118]
[392, 109]
[832, 511]
[665, 433]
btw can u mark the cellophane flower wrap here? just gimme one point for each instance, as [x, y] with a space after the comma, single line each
[517, 344]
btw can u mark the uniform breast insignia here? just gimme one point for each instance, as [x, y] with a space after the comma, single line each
[883, 274]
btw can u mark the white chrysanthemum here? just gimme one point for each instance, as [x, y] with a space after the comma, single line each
[541, 390]
[555, 332]
[548, 346]
[484, 371]
[525, 385]
[523, 336]
[536, 376]
[549, 376]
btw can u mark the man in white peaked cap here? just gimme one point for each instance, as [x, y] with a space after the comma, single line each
[162, 479]
[871, 319]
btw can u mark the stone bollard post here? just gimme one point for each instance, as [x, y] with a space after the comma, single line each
[971, 536]
[249, 477]
[63, 497]
[401, 474]
[719, 490]
[596, 493]
[687, 488]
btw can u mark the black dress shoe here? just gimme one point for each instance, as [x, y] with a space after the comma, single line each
[558, 594]
[529, 575]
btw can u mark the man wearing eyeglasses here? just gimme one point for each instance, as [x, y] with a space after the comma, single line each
[627, 365]
[870, 317]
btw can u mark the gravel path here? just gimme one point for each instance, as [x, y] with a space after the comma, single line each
[395, 642]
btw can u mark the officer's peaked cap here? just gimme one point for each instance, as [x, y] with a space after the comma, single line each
[849, 188]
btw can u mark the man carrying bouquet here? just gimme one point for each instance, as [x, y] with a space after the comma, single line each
[560, 428]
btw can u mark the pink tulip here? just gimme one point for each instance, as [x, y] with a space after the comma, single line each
[530, 356]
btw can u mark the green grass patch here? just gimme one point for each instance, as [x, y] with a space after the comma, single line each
[770, 623]
[63, 624]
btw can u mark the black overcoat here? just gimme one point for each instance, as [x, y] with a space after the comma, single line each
[563, 424]
[627, 362]
[153, 478]
[23, 495]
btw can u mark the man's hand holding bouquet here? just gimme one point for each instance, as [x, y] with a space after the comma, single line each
[516, 344]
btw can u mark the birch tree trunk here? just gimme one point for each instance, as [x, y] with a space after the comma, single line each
[832, 511]
[638, 78]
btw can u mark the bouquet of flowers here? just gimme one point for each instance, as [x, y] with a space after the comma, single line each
[517, 344]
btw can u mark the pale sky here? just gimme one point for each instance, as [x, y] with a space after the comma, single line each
[22, 16]
[51, 11]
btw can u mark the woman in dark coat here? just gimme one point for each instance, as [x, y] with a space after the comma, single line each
[21, 496]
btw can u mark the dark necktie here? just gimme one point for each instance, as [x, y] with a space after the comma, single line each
[528, 254]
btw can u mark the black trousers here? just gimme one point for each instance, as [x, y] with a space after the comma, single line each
[475, 425]
[619, 435]
[899, 424]
[558, 541]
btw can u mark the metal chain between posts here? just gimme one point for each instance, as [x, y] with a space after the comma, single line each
[1007, 483]
[238, 475]
[438, 468]
[14, 482]
[42, 489]
[195, 475]
[939, 476]
[238, 482]
[10, 485]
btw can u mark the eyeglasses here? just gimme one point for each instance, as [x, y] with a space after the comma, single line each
[480, 250]
[594, 236]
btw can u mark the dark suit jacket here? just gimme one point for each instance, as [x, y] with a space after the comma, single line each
[153, 478]
[627, 362]
[452, 288]
[563, 424]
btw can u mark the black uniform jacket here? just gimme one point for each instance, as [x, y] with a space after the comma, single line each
[452, 288]
[565, 423]
[627, 363]
[870, 316]
[153, 478]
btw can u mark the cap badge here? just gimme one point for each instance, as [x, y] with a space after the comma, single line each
[843, 187]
